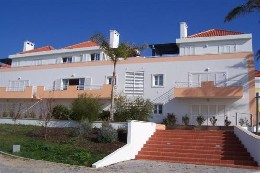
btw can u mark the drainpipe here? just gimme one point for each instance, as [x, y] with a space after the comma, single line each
[257, 97]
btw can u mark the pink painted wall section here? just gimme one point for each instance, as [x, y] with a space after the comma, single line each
[208, 90]
[103, 93]
[26, 94]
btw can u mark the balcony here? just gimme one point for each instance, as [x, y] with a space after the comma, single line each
[16, 93]
[72, 92]
[208, 90]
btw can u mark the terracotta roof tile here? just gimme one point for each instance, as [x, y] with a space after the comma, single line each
[81, 45]
[41, 49]
[257, 73]
[214, 32]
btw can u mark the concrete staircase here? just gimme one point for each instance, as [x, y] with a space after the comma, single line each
[220, 148]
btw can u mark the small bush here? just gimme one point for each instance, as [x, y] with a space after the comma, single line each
[171, 120]
[85, 128]
[32, 115]
[122, 135]
[227, 122]
[186, 120]
[243, 121]
[85, 107]
[200, 120]
[132, 109]
[213, 120]
[5, 114]
[60, 112]
[107, 134]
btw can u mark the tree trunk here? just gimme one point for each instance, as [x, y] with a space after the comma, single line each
[112, 94]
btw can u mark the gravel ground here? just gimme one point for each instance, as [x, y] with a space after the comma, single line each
[18, 165]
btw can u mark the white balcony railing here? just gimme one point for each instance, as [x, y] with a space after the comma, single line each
[79, 87]
[216, 84]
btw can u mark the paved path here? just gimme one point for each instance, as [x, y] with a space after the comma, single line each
[18, 165]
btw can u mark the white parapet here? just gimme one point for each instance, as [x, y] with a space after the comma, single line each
[250, 141]
[138, 133]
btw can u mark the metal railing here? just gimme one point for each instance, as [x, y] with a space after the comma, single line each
[216, 83]
[78, 87]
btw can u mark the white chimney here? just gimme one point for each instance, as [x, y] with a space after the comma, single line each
[183, 29]
[27, 45]
[114, 39]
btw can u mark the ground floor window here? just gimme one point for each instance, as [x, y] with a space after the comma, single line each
[158, 109]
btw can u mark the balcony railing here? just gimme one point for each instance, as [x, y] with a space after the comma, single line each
[229, 83]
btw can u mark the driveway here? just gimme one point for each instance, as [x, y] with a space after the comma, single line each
[19, 165]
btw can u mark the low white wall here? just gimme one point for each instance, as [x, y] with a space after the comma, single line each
[250, 141]
[52, 123]
[59, 123]
[138, 133]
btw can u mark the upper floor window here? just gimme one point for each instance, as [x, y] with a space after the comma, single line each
[67, 60]
[18, 85]
[189, 50]
[158, 80]
[109, 80]
[95, 57]
[227, 48]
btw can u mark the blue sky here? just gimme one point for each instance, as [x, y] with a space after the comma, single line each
[64, 22]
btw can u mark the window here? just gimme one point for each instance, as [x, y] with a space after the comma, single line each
[158, 80]
[79, 82]
[67, 60]
[227, 48]
[95, 57]
[219, 78]
[37, 62]
[109, 80]
[18, 85]
[158, 109]
[134, 83]
[189, 50]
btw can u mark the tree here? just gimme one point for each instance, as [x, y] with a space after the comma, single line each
[248, 7]
[124, 51]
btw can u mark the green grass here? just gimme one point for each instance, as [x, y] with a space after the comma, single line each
[38, 148]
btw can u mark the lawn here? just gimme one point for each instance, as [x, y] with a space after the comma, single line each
[60, 146]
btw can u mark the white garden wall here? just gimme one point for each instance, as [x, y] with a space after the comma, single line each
[138, 133]
[250, 141]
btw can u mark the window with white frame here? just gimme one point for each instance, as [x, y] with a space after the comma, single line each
[134, 83]
[189, 50]
[18, 85]
[109, 80]
[158, 80]
[158, 109]
[219, 78]
[208, 110]
[67, 60]
[227, 48]
[95, 57]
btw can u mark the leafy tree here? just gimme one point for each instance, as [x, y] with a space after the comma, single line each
[124, 51]
[248, 7]
[60, 112]
[85, 107]
[133, 109]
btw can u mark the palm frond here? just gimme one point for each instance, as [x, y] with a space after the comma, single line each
[257, 55]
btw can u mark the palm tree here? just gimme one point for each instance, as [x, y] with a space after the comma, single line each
[248, 7]
[124, 51]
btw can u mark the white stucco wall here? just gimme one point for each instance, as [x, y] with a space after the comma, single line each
[137, 135]
[250, 141]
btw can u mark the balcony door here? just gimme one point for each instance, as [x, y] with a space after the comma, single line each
[219, 78]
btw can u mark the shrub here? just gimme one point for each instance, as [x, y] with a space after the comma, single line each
[243, 121]
[85, 128]
[135, 109]
[213, 120]
[5, 114]
[122, 135]
[32, 115]
[171, 120]
[107, 134]
[60, 112]
[104, 115]
[200, 120]
[186, 120]
[227, 122]
[85, 107]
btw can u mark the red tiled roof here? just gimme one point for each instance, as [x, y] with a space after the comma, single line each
[257, 73]
[214, 32]
[81, 45]
[41, 49]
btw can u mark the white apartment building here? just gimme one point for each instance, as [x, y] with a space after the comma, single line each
[209, 73]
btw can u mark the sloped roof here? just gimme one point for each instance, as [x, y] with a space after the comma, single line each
[257, 73]
[214, 32]
[81, 45]
[41, 49]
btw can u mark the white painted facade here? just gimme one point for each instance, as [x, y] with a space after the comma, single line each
[152, 78]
